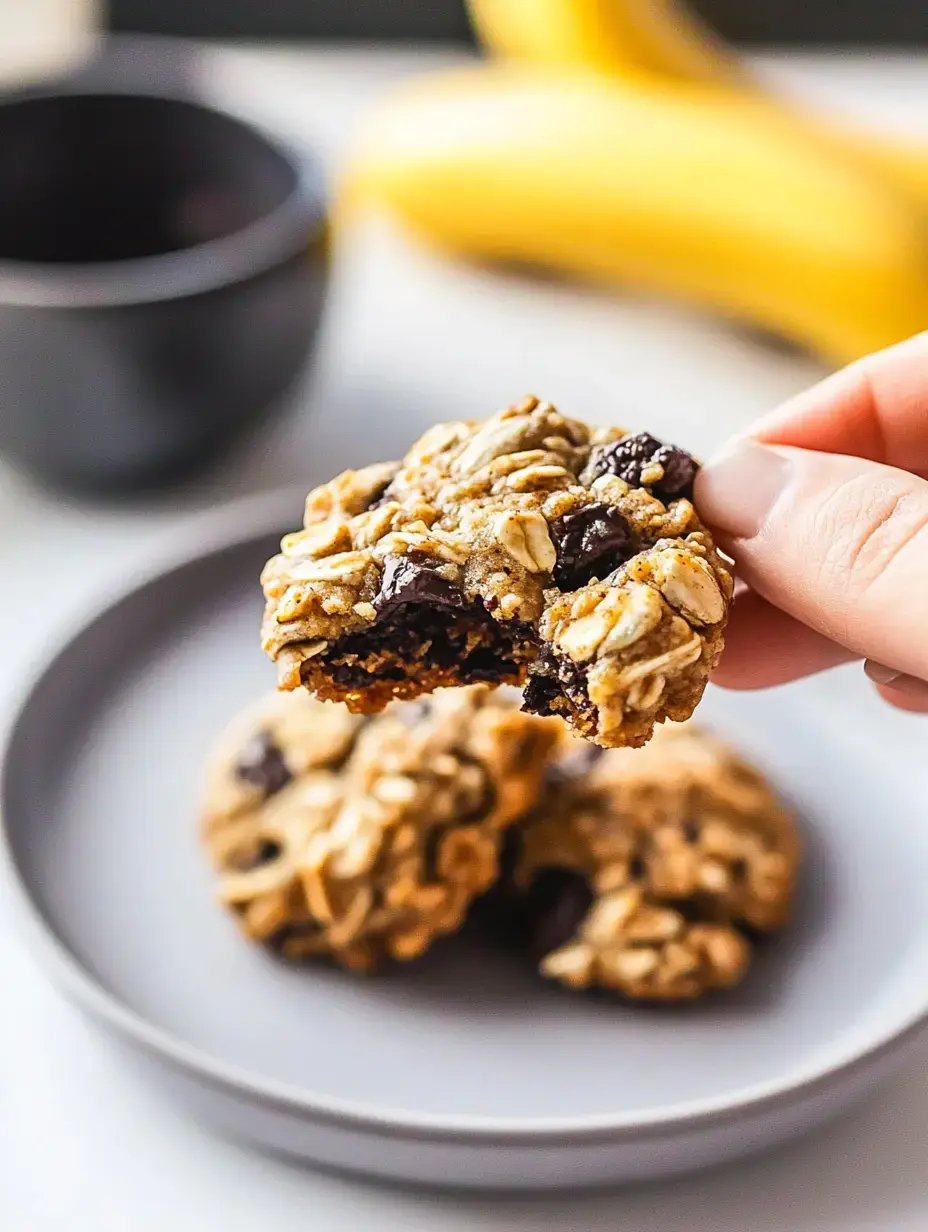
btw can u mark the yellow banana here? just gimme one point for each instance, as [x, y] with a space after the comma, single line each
[665, 39]
[673, 191]
[610, 36]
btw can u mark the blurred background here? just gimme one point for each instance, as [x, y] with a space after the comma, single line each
[790, 21]
[250, 344]
[190, 312]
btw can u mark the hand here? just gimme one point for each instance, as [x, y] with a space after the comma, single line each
[824, 507]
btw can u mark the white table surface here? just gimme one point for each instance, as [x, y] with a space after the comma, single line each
[84, 1144]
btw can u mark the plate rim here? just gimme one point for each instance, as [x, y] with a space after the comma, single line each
[221, 529]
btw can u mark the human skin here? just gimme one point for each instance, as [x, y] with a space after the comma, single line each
[823, 505]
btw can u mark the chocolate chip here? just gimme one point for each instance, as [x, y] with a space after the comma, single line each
[557, 686]
[636, 868]
[267, 852]
[591, 542]
[264, 853]
[414, 579]
[277, 942]
[679, 473]
[262, 763]
[630, 456]
[418, 637]
[690, 831]
[430, 853]
[540, 695]
[555, 907]
[693, 911]
[509, 857]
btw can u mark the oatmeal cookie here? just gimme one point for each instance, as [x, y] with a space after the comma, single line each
[376, 857]
[525, 549]
[280, 738]
[272, 780]
[647, 872]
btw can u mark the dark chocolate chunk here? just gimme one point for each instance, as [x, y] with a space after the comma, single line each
[262, 763]
[692, 910]
[430, 853]
[414, 579]
[266, 852]
[591, 543]
[690, 831]
[499, 916]
[629, 457]
[414, 637]
[556, 686]
[555, 906]
[540, 695]
[290, 932]
[679, 473]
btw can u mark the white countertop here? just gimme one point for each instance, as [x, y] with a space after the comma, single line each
[83, 1143]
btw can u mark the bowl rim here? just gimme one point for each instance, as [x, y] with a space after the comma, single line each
[276, 236]
[225, 528]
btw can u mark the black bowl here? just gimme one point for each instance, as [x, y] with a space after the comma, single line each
[162, 275]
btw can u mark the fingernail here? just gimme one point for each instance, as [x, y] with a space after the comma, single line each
[900, 685]
[880, 674]
[736, 489]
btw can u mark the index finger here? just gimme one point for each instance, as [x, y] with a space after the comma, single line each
[876, 409]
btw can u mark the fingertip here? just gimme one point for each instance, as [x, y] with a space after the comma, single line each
[765, 647]
[906, 693]
[736, 488]
[843, 547]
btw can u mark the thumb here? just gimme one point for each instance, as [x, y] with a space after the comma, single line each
[838, 542]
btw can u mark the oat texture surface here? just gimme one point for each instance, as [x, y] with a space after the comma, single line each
[649, 871]
[364, 841]
[523, 549]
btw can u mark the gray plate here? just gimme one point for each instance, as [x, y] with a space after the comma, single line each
[464, 1069]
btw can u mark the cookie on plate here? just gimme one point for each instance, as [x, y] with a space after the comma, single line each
[273, 778]
[376, 853]
[527, 548]
[647, 872]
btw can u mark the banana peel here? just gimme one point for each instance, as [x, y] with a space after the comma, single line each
[676, 191]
